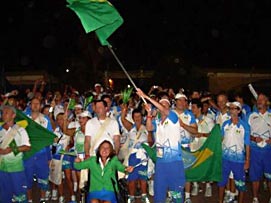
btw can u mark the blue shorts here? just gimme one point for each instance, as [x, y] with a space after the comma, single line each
[168, 177]
[238, 174]
[260, 164]
[13, 185]
[139, 172]
[38, 166]
[66, 161]
[102, 195]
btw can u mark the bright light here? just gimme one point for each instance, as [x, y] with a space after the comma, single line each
[67, 70]
[128, 86]
[110, 81]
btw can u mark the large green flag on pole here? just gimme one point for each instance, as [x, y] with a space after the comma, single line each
[39, 136]
[97, 15]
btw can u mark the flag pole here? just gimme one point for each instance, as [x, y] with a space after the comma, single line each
[124, 70]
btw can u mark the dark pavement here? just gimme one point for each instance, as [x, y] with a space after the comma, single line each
[263, 198]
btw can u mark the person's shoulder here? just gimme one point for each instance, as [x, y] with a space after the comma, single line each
[208, 119]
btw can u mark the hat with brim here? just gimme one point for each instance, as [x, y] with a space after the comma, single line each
[57, 110]
[8, 107]
[235, 103]
[180, 95]
[85, 114]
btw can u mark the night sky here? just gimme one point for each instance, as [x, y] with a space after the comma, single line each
[45, 34]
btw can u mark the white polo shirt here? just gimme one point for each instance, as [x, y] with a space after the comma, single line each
[10, 162]
[260, 126]
[187, 118]
[64, 140]
[221, 118]
[205, 124]
[168, 139]
[139, 137]
[92, 129]
[235, 137]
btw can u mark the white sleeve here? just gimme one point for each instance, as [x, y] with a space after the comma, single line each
[24, 137]
[115, 128]
[88, 128]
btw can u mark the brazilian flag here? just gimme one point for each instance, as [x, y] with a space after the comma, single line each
[39, 136]
[208, 164]
[97, 15]
[204, 164]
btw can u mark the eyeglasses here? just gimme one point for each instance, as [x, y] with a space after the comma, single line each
[234, 108]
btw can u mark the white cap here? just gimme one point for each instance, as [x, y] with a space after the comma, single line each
[235, 103]
[57, 110]
[78, 106]
[180, 95]
[164, 99]
[85, 114]
[97, 85]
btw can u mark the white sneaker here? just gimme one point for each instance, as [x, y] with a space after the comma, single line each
[75, 186]
[61, 199]
[73, 198]
[54, 194]
[188, 200]
[208, 191]
[195, 190]
[150, 186]
[255, 200]
[47, 195]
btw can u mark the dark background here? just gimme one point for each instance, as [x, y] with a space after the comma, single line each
[175, 38]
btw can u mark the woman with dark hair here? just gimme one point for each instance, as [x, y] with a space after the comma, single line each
[103, 169]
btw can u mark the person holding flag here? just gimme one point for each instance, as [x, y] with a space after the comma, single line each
[205, 126]
[37, 165]
[169, 169]
[13, 141]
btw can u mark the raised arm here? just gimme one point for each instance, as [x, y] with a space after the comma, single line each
[161, 108]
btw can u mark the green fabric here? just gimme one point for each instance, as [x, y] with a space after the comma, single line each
[72, 104]
[12, 163]
[97, 180]
[204, 164]
[99, 16]
[39, 136]
[87, 101]
[79, 142]
[210, 166]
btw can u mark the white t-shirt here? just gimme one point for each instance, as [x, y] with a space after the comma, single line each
[92, 130]
[187, 118]
[260, 126]
[221, 118]
[205, 124]
[235, 137]
[10, 162]
[65, 139]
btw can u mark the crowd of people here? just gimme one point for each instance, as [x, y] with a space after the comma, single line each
[100, 138]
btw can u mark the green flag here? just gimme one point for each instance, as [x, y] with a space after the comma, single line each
[97, 15]
[39, 136]
[204, 164]
[208, 164]
[87, 101]
[126, 95]
[71, 104]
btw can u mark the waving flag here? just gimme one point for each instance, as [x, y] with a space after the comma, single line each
[39, 136]
[204, 164]
[208, 164]
[97, 15]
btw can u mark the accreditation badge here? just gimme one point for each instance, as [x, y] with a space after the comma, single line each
[160, 152]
